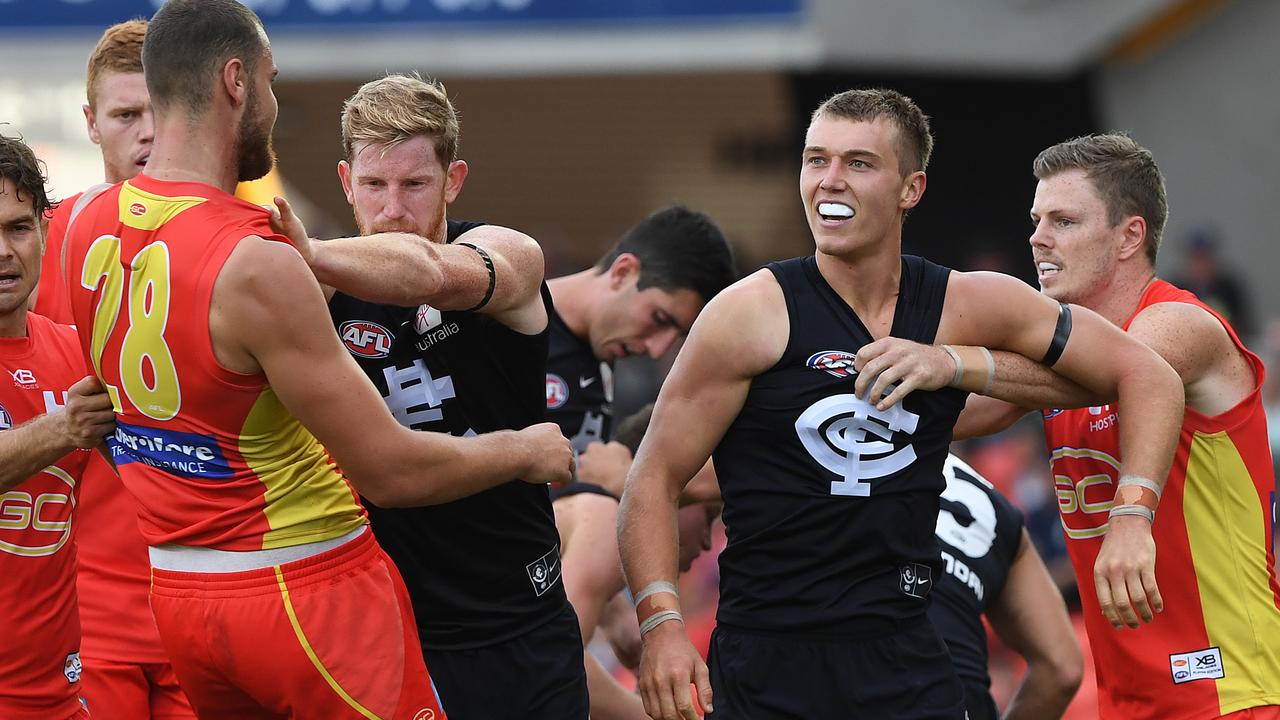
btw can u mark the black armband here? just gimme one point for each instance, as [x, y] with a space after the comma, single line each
[1061, 332]
[493, 276]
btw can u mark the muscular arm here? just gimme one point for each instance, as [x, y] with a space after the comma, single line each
[741, 334]
[1019, 385]
[268, 313]
[407, 270]
[38, 443]
[592, 576]
[1030, 617]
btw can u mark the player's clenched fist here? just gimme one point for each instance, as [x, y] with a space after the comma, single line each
[87, 417]
[550, 452]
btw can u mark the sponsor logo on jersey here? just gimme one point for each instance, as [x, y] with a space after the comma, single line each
[6, 420]
[137, 209]
[1203, 664]
[432, 328]
[71, 668]
[189, 455]
[835, 362]
[365, 339]
[544, 572]
[23, 378]
[425, 714]
[915, 579]
[557, 391]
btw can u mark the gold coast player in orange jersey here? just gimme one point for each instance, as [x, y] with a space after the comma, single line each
[127, 674]
[240, 418]
[1099, 211]
[49, 415]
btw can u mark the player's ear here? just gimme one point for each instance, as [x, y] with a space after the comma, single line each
[91, 123]
[344, 176]
[912, 190]
[455, 175]
[1133, 238]
[625, 267]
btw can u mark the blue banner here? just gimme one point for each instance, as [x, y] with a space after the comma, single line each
[330, 14]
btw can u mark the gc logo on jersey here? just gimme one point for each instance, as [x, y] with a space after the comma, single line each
[1084, 481]
[365, 339]
[37, 524]
[835, 362]
[557, 391]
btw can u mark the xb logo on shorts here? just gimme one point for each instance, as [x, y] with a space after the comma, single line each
[835, 432]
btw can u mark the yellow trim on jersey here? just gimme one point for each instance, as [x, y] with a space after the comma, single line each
[307, 499]
[311, 653]
[1226, 531]
[142, 210]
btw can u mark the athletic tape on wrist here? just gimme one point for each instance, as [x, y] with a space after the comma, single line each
[493, 276]
[1138, 510]
[655, 587]
[658, 618]
[1139, 481]
[991, 370]
[955, 357]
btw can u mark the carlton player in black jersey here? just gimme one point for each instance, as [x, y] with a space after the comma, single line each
[452, 331]
[990, 567]
[831, 490]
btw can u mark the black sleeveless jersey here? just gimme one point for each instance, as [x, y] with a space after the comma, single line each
[485, 568]
[829, 503]
[980, 532]
[579, 397]
[579, 388]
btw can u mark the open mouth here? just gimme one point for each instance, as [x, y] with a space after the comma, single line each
[835, 211]
[1046, 269]
[142, 161]
[9, 280]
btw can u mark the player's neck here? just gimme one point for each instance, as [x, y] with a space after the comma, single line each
[868, 283]
[194, 151]
[572, 297]
[14, 324]
[1119, 300]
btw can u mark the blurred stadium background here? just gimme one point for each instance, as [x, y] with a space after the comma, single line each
[581, 116]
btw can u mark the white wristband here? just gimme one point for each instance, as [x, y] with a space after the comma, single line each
[991, 370]
[653, 588]
[657, 619]
[955, 357]
[1138, 510]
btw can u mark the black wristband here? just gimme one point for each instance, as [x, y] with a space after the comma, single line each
[493, 276]
[1061, 332]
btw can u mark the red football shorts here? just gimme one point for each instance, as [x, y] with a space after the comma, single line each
[129, 691]
[329, 637]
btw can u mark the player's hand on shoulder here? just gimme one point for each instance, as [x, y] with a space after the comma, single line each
[606, 465]
[550, 452]
[668, 665]
[890, 368]
[88, 416]
[285, 222]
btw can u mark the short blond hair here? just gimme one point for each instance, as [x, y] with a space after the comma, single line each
[395, 108]
[118, 50]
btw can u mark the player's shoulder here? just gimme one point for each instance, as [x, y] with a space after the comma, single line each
[55, 342]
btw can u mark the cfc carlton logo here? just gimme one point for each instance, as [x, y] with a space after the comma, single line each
[835, 362]
[365, 339]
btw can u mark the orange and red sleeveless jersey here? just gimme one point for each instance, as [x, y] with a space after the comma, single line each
[40, 663]
[1216, 647]
[212, 456]
[52, 301]
[114, 575]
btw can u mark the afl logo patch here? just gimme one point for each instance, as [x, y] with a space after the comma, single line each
[137, 209]
[6, 420]
[557, 391]
[835, 362]
[365, 339]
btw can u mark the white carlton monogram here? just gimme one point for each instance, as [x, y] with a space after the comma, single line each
[413, 387]
[834, 430]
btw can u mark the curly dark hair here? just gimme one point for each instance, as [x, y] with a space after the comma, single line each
[20, 166]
